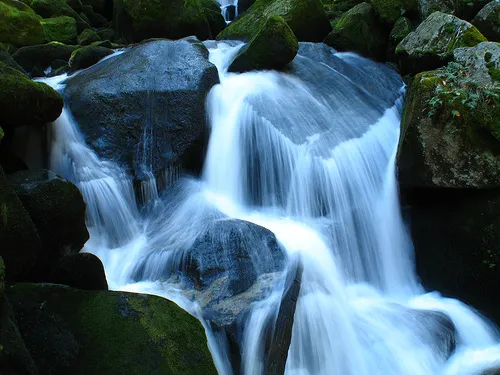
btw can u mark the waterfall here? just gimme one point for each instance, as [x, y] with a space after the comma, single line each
[310, 155]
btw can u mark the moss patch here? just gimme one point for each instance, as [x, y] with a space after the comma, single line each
[19, 25]
[60, 29]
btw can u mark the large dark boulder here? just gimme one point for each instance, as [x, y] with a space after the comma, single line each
[359, 31]
[34, 103]
[82, 271]
[432, 44]
[306, 18]
[273, 47]
[390, 10]
[488, 21]
[55, 8]
[57, 209]
[156, 88]
[71, 331]
[60, 29]
[40, 57]
[138, 20]
[87, 56]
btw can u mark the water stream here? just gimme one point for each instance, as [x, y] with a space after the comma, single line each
[308, 154]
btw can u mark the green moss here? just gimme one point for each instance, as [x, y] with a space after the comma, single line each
[20, 27]
[470, 38]
[60, 29]
[87, 37]
[390, 10]
[306, 18]
[119, 333]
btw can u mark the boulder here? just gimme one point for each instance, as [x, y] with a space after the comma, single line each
[401, 29]
[60, 29]
[273, 47]
[243, 5]
[390, 10]
[20, 242]
[139, 20]
[95, 19]
[35, 103]
[55, 8]
[82, 271]
[7, 59]
[236, 250]
[101, 332]
[482, 62]
[104, 7]
[106, 34]
[211, 5]
[359, 31]
[427, 7]
[488, 21]
[87, 56]
[450, 131]
[19, 25]
[455, 234]
[87, 37]
[431, 45]
[468, 9]
[57, 209]
[114, 109]
[40, 57]
[215, 21]
[306, 18]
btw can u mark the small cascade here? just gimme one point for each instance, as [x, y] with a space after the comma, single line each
[308, 154]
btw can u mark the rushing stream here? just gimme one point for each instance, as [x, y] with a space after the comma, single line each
[317, 169]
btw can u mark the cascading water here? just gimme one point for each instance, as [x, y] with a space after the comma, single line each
[308, 154]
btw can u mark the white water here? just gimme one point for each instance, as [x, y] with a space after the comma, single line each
[330, 198]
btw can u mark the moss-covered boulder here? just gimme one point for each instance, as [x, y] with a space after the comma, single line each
[401, 29]
[136, 20]
[19, 25]
[273, 47]
[106, 34]
[215, 21]
[60, 29]
[482, 62]
[468, 9]
[88, 36]
[40, 57]
[25, 102]
[359, 31]
[390, 10]
[55, 8]
[427, 7]
[335, 9]
[87, 56]
[450, 132]
[57, 209]
[432, 44]
[306, 18]
[7, 59]
[82, 271]
[20, 242]
[69, 331]
[488, 21]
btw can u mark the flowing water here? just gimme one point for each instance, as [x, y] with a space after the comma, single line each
[310, 155]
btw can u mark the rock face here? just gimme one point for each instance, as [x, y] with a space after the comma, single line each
[237, 250]
[38, 58]
[273, 47]
[390, 10]
[359, 31]
[488, 21]
[87, 37]
[82, 271]
[108, 332]
[431, 45]
[139, 20]
[55, 8]
[20, 242]
[87, 56]
[163, 92]
[57, 209]
[19, 25]
[35, 103]
[60, 29]
[306, 18]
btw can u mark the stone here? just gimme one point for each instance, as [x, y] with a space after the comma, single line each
[87, 56]
[40, 57]
[60, 29]
[82, 271]
[87, 37]
[273, 47]
[488, 21]
[19, 25]
[432, 44]
[55, 8]
[390, 10]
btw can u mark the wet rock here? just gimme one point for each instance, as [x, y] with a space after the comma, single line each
[487, 21]
[57, 209]
[87, 56]
[432, 44]
[108, 332]
[40, 57]
[19, 25]
[82, 271]
[114, 110]
[273, 47]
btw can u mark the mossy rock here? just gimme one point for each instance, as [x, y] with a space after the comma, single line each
[40, 57]
[432, 44]
[450, 131]
[70, 331]
[60, 29]
[87, 56]
[82, 271]
[88, 36]
[401, 29]
[55, 8]
[360, 31]
[390, 10]
[57, 209]
[273, 47]
[25, 102]
[136, 20]
[106, 34]
[211, 5]
[19, 25]
[215, 21]
[335, 9]
[7, 59]
[306, 18]
[20, 242]
[468, 9]
[488, 21]
[482, 62]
